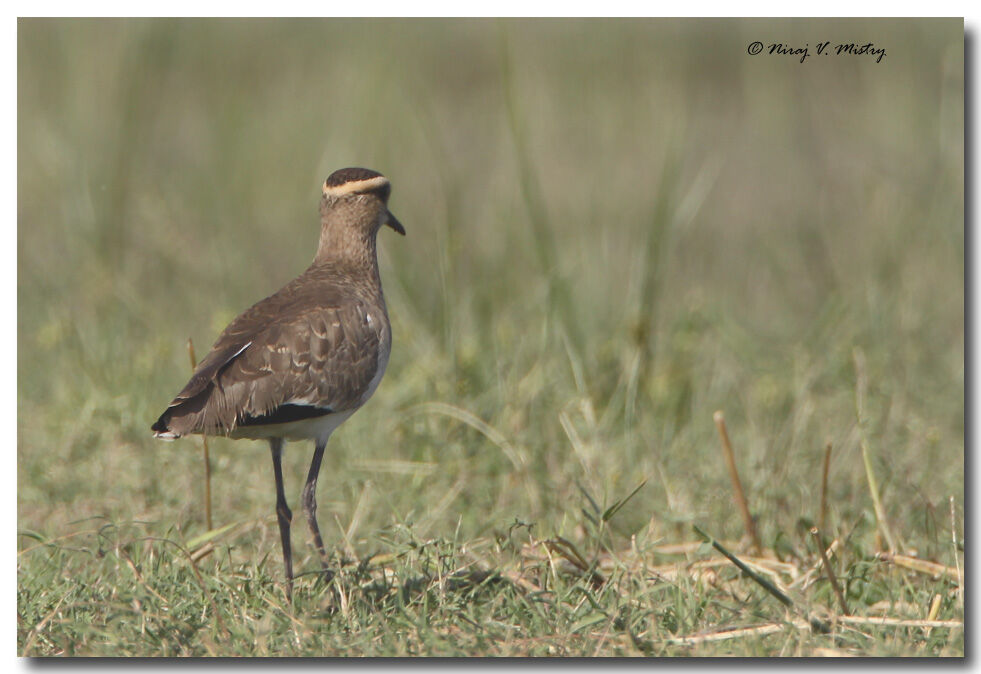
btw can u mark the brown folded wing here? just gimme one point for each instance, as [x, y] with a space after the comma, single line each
[305, 345]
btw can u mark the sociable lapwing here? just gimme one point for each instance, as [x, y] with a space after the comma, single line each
[297, 364]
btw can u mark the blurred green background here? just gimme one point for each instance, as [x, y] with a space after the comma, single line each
[615, 228]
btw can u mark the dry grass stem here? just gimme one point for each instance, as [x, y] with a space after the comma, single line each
[673, 571]
[805, 579]
[676, 548]
[605, 562]
[207, 457]
[737, 486]
[824, 489]
[934, 610]
[203, 551]
[829, 571]
[887, 606]
[861, 384]
[695, 639]
[923, 566]
[773, 628]
[898, 622]
[957, 559]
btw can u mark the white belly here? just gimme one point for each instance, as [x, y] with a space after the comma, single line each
[318, 428]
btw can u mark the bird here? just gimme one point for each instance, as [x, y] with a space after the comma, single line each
[299, 363]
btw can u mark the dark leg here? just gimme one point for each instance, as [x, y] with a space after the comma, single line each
[310, 503]
[283, 513]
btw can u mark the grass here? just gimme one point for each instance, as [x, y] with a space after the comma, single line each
[615, 229]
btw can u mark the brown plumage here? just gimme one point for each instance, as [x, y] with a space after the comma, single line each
[311, 343]
[298, 363]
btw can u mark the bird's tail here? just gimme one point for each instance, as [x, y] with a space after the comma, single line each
[161, 430]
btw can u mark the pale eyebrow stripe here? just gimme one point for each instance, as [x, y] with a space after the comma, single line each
[355, 186]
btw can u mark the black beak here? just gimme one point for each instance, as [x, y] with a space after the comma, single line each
[394, 223]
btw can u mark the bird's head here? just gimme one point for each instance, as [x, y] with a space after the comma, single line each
[358, 197]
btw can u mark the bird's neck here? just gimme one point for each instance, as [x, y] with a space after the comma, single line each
[352, 249]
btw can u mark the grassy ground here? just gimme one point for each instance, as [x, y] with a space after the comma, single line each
[615, 228]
